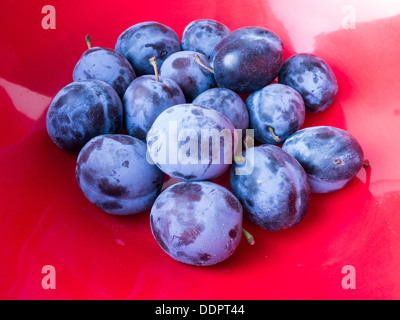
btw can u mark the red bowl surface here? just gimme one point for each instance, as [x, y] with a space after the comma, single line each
[45, 220]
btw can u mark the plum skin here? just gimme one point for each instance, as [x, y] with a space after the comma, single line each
[247, 59]
[228, 103]
[186, 127]
[145, 99]
[312, 78]
[82, 110]
[145, 40]
[330, 156]
[106, 65]
[197, 223]
[277, 106]
[113, 173]
[275, 195]
[203, 35]
[192, 78]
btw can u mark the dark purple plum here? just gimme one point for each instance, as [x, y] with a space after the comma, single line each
[145, 40]
[113, 173]
[247, 59]
[145, 99]
[330, 156]
[276, 111]
[106, 65]
[183, 68]
[203, 35]
[192, 143]
[198, 223]
[227, 102]
[312, 78]
[274, 190]
[82, 110]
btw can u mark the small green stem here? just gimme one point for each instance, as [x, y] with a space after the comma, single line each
[88, 40]
[249, 237]
[239, 159]
[198, 60]
[274, 136]
[153, 62]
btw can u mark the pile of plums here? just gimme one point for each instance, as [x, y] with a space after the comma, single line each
[192, 109]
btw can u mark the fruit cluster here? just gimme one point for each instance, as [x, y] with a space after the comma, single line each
[157, 107]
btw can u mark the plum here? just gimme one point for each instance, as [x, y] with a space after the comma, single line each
[83, 110]
[312, 78]
[227, 102]
[191, 143]
[330, 156]
[183, 68]
[203, 35]
[275, 193]
[113, 173]
[106, 65]
[145, 40]
[247, 59]
[145, 99]
[276, 111]
[198, 223]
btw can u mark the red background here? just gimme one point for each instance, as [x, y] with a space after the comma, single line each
[46, 220]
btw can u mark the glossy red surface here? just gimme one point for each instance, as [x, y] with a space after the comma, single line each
[46, 220]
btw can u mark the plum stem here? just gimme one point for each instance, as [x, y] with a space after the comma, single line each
[274, 136]
[367, 167]
[338, 162]
[153, 62]
[249, 237]
[88, 40]
[239, 159]
[198, 60]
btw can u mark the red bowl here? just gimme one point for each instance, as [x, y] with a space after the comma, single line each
[347, 247]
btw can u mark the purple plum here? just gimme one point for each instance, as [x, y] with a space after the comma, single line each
[198, 223]
[113, 173]
[274, 191]
[83, 110]
[276, 111]
[144, 40]
[203, 35]
[330, 156]
[191, 143]
[312, 78]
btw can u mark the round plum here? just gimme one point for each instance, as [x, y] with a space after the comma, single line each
[106, 65]
[247, 59]
[183, 68]
[198, 223]
[273, 190]
[312, 78]
[113, 173]
[203, 35]
[276, 111]
[191, 143]
[145, 40]
[330, 156]
[227, 102]
[82, 110]
[145, 99]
